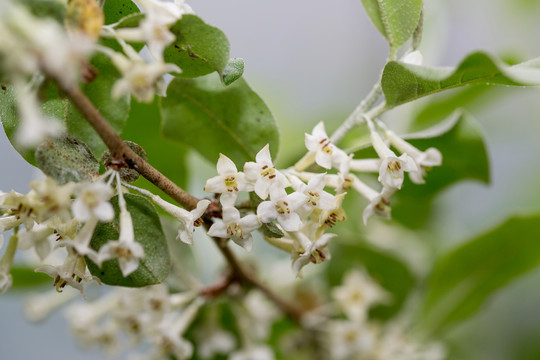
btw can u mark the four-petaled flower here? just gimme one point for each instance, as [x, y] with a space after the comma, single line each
[325, 152]
[423, 159]
[314, 196]
[392, 167]
[236, 228]
[228, 183]
[92, 201]
[263, 173]
[281, 207]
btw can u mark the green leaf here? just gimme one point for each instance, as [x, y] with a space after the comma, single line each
[390, 272]
[10, 119]
[403, 82]
[143, 127]
[464, 279]
[154, 266]
[199, 48]
[233, 71]
[396, 20]
[115, 10]
[215, 119]
[461, 143]
[67, 159]
[25, 277]
[50, 8]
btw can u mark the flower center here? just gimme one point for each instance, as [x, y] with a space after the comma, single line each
[347, 182]
[230, 183]
[90, 199]
[268, 171]
[395, 168]
[234, 230]
[326, 146]
[282, 207]
[123, 252]
[313, 197]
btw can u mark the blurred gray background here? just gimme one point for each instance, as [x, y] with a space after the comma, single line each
[315, 60]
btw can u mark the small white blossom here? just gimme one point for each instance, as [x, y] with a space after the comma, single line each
[215, 341]
[140, 78]
[314, 251]
[40, 238]
[72, 272]
[259, 352]
[357, 294]
[392, 167]
[281, 207]
[5, 264]
[236, 228]
[319, 143]
[39, 306]
[228, 183]
[314, 195]
[93, 201]
[351, 340]
[423, 159]
[262, 173]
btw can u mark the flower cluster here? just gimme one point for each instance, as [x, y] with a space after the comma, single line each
[295, 201]
[64, 217]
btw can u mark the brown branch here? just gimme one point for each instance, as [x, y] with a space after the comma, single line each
[292, 311]
[119, 150]
[122, 153]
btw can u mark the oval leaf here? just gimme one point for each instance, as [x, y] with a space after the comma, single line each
[154, 266]
[67, 159]
[215, 119]
[403, 82]
[199, 48]
[396, 20]
[464, 279]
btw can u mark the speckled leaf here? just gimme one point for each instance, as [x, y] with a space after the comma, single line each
[114, 10]
[199, 48]
[154, 266]
[233, 71]
[67, 159]
[403, 82]
[396, 20]
[213, 118]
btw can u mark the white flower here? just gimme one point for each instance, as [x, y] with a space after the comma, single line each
[313, 251]
[349, 339]
[51, 199]
[319, 143]
[259, 352]
[34, 127]
[7, 223]
[228, 183]
[281, 207]
[188, 219]
[140, 78]
[392, 167]
[315, 196]
[72, 272]
[236, 228]
[379, 203]
[263, 173]
[215, 341]
[93, 201]
[423, 159]
[5, 264]
[38, 238]
[357, 294]
[125, 249]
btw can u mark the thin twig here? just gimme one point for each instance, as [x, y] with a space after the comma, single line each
[119, 150]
